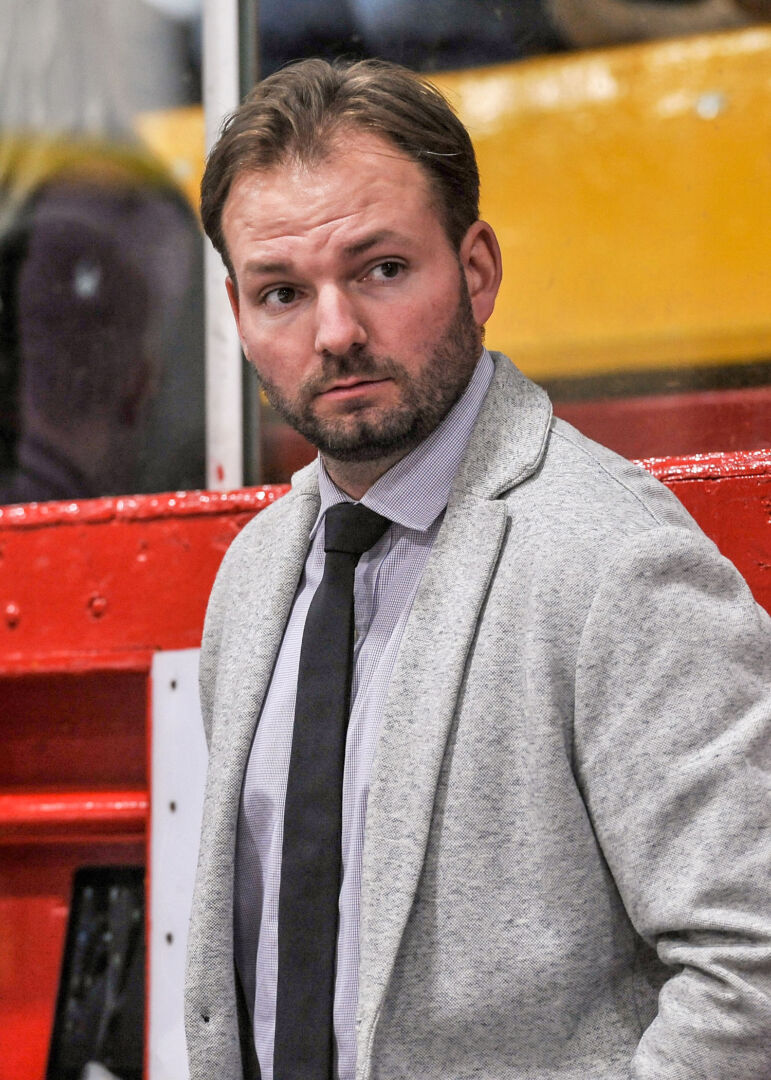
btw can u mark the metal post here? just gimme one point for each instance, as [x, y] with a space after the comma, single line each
[224, 393]
[248, 46]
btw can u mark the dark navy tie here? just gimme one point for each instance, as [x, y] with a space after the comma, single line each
[311, 858]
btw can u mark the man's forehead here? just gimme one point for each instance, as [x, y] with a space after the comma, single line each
[345, 157]
[344, 140]
[362, 192]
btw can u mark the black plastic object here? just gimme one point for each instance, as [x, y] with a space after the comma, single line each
[100, 1005]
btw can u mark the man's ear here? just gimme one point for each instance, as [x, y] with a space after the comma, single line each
[232, 289]
[480, 258]
[235, 306]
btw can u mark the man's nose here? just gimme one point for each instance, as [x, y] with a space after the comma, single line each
[338, 324]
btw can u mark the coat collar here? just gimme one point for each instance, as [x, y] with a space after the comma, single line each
[510, 435]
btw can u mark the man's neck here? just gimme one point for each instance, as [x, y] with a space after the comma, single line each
[355, 478]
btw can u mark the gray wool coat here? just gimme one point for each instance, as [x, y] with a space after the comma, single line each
[566, 864]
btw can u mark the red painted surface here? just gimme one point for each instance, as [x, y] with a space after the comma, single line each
[736, 465]
[730, 497]
[75, 732]
[88, 591]
[112, 576]
[76, 816]
[178, 504]
[73, 792]
[684, 423]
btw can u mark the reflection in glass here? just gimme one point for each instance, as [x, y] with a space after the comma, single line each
[98, 267]
[101, 365]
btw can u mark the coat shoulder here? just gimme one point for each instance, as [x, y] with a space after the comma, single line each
[585, 489]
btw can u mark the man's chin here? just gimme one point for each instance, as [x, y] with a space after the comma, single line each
[351, 451]
[362, 442]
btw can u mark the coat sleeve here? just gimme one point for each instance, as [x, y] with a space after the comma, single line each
[211, 642]
[207, 669]
[673, 741]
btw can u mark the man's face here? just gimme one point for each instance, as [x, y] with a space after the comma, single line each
[351, 303]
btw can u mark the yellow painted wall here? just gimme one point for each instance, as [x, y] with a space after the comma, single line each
[631, 191]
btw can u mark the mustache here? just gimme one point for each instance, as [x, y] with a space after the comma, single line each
[357, 361]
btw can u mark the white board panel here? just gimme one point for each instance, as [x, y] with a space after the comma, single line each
[178, 759]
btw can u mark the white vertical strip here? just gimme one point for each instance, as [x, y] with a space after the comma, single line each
[224, 391]
[178, 757]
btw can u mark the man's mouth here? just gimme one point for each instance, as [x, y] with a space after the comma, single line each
[350, 387]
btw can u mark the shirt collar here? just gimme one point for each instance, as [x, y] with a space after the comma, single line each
[415, 490]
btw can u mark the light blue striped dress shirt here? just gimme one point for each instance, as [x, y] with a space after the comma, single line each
[413, 494]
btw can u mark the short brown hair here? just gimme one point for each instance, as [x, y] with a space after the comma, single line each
[296, 112]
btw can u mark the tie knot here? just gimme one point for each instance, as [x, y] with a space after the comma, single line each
[352, 528]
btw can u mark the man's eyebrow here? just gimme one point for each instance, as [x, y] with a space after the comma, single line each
[382, 237]
[254, 266]
[277, 266]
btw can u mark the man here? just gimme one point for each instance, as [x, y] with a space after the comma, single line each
[552, 808]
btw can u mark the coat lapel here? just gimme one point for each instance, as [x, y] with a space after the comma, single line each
[263, 602]
[421, 705]
[506, 447]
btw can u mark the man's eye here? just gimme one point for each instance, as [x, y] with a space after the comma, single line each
[279, 297]
[386, 270]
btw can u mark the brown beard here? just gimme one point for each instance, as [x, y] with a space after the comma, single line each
[426, 398]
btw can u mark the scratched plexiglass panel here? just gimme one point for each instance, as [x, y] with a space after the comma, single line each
[101, 325]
